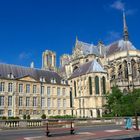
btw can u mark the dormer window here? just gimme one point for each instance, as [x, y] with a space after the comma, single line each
[63, 81]
[42, 79]
[10, 75]
[53, 80]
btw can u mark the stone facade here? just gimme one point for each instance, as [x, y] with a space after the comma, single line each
[49, 60]
[32, 95]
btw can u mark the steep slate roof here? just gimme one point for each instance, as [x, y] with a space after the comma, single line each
[87, 48]
[89, 67]
[19, 72]
[120, 45]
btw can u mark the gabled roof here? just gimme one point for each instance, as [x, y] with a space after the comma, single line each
[120, 45]
[89, 67]
[87, 48]
[20, 71]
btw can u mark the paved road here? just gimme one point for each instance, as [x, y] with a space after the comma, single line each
[125, 137]
[20, 134]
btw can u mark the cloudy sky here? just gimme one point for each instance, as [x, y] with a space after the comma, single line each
[28, 27]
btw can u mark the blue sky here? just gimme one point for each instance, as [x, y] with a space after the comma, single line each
[28, 27]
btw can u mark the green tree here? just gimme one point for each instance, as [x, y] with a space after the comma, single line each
[120, 104]
[114, 102]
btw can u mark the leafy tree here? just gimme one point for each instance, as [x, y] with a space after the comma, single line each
[114, 102]
[120, 104]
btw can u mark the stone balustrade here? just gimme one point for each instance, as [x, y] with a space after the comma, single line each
[7, 124]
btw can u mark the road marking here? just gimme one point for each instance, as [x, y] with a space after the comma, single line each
[116, 130]
[85, 133]
[30, 138]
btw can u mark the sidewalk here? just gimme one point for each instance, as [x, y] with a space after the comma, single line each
[87, 135]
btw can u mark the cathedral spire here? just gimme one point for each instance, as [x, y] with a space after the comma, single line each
[125, 29]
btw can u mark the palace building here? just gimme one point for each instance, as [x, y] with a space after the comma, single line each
[78, 87]
[32, 92]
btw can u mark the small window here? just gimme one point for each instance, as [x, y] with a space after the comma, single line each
[2, 86]
[10, 75]
[58, 91]
[48, 91]
[42, 79]
[53, 80]
[42, 90]
[10, 87]
[34, 89]
[34, 112]
[63, 82]
[9, 100]
[9, 112]
[20, 112]
[59, 112]
[27, 88]
[1, 100]
[20, 88]
[49, 112]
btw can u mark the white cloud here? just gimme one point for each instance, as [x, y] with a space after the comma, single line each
[24, 55]
[118, 5]
[112, 36]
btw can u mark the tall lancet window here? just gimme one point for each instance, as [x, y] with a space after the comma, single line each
[103, 85]
[90, 86]
[75, 88]
[134, 69]
[97, 85]
[120, 72]
[125, 69]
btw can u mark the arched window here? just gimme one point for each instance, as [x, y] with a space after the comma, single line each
[90, 86]
[98, 113]
[75, 88]
[125, 91]
[97, 85]
[103, 85]
[70, 99]
[91, 113]
[120, 72]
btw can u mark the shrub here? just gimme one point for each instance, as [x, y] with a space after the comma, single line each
[62, 117]
[28, 117]
[108, 115]
[24, 117]
[3, 118]
[17, 118]
[43, 116]
[11, 118]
